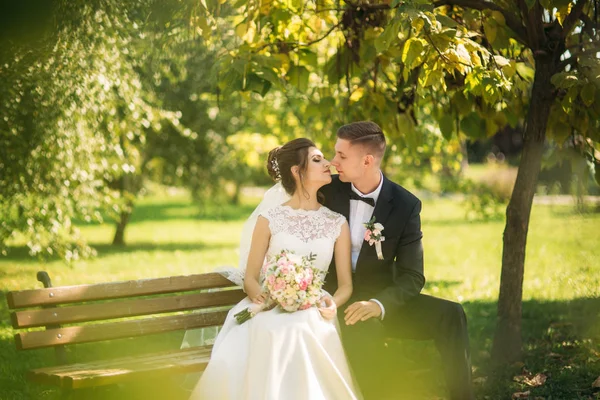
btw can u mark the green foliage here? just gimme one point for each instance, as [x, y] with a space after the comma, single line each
[56, 130]
[395, 64]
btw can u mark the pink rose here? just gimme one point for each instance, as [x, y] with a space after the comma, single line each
[368, 235]
[304, 306]
[271, 280]
[279, 284]
[282, 261]
[303, 285]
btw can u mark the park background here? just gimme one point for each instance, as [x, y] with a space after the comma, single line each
[133, 138]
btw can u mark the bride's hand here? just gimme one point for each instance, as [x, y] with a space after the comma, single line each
[259, 298]
[329, 309]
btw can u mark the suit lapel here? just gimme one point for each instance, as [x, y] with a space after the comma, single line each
[382, 210]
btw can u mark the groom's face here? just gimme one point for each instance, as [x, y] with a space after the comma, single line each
[349, 160]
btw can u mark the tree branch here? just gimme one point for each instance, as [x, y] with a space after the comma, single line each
[576, 55]
[573, 17]
[299, 44]
[524, 13]
[588, 25]
[512, 20]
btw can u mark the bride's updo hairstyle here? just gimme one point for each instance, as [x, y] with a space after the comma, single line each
[281, 160]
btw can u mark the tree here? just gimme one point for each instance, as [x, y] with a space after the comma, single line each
[106, 95]
[471, 66]
[72, 113]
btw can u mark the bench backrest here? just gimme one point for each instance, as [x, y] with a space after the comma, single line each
[62, 310]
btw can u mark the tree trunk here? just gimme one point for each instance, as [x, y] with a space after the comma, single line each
[119, 239]
[464, 164]
[237, 194]
[507, 340]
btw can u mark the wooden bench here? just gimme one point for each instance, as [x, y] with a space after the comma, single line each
[106, 311]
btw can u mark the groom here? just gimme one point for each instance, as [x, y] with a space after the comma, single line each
[388, 276]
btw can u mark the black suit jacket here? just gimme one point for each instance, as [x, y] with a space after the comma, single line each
[399, 276]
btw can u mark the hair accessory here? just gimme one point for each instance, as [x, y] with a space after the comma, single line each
[275, 166]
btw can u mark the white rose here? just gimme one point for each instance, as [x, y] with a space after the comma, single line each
[378, 226]
[296, 259]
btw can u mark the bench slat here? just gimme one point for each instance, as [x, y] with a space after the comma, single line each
[124, 308]
[114, 290]
[117, 330]
[108, 372]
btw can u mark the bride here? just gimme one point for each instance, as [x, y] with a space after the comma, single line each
[277, 354]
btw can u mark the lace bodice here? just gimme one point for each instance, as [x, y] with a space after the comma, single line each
[304, 232]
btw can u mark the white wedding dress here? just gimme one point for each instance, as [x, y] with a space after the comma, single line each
[280, 355]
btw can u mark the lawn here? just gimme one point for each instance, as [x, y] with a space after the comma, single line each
[169, 235]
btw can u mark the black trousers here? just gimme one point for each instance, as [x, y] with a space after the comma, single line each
[422, 318]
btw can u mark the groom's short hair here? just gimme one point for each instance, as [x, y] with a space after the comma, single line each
[365, 133]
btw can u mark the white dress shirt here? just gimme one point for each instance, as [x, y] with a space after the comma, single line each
[361, 212]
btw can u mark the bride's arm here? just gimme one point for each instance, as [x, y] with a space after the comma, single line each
[343, 266]
[256, 257]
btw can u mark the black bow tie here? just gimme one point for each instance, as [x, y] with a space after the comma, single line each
[368, 200]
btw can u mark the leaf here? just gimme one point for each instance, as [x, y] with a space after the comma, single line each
[297, 4]
[537, 380]
[562, 13]
[525, 71]
[502, 38]
[357, 95]
[327, 104]
[418, 24]
[521, 395]
[255, 84]
[378, 100]
[446, 21]
[461, 103]
[490, 29]
[564, 80]
[241, 29]
[530, 3]
[265, 6]
[510, 70]
[246, 31]
[307, 57]
[447, 126]
[413, 52]
[499, 18]
[387, 37]
[298, 76]
[312, 110]
[269, 75]
[596, 383]
[512, 118]
[473, 125]
[501, 61]
[588, 94]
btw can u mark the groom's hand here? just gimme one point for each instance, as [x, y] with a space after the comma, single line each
[361, 311]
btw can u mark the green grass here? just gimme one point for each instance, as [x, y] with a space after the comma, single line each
[171, 236]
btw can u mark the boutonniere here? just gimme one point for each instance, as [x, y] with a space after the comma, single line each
[373, 235]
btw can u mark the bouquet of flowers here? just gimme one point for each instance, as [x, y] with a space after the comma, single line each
[291, 282]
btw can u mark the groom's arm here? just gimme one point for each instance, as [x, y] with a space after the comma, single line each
[408, 277]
